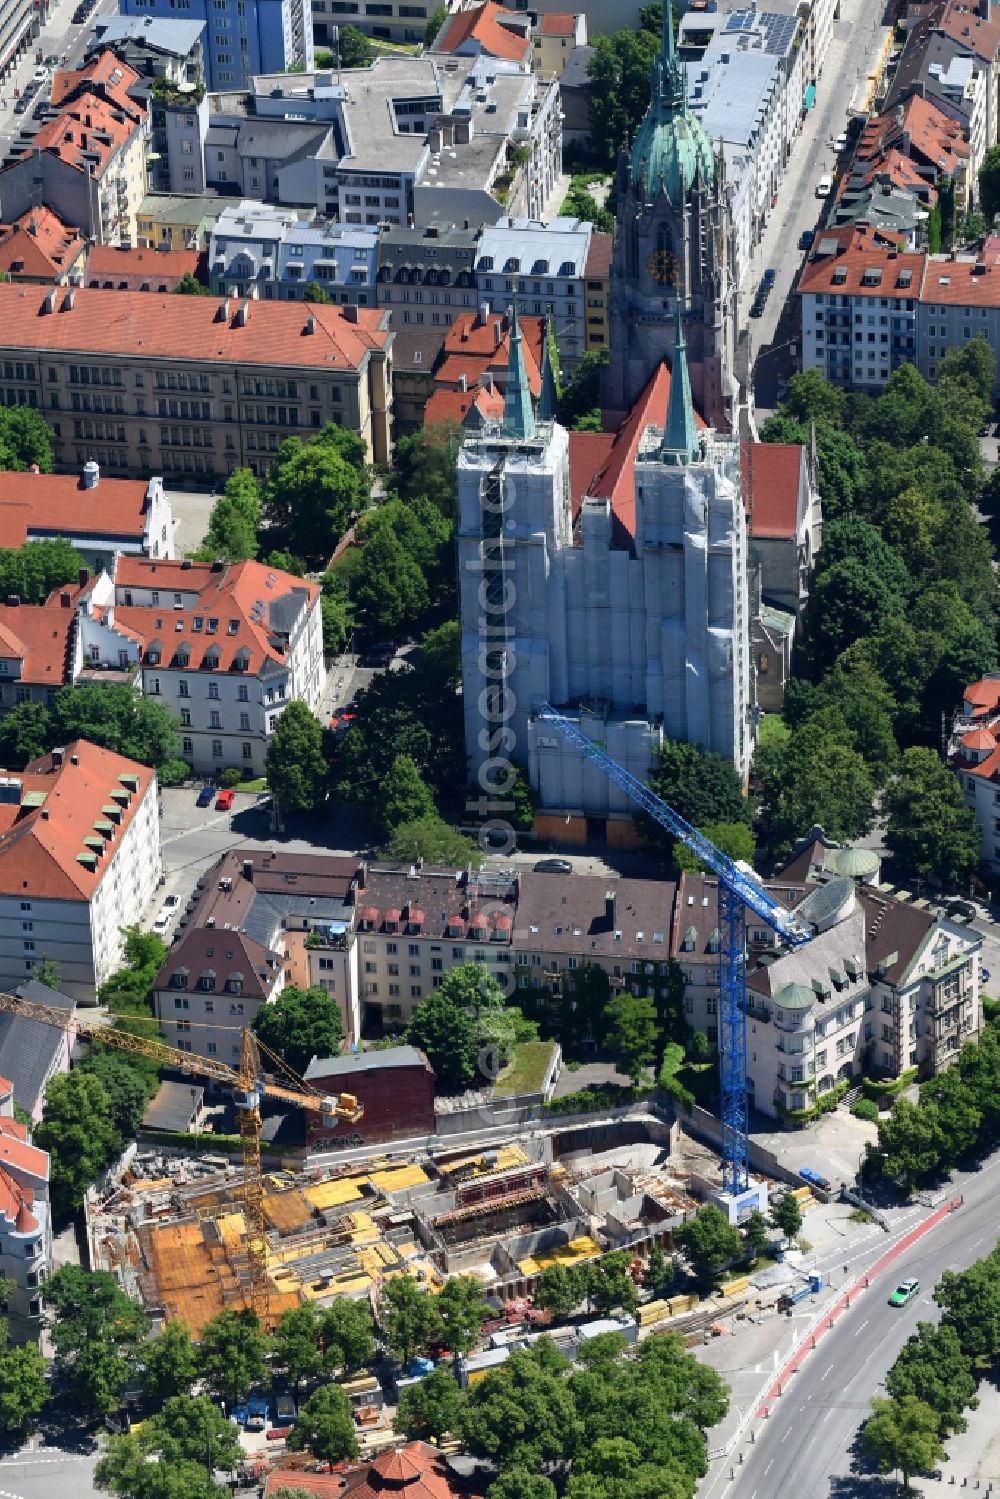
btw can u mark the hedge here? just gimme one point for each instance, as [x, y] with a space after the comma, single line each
[877, 1087]
[593, 1100]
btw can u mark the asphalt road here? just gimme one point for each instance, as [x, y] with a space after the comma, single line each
[58, 37]
[807, 1443]
[45, 1473]
[851, 53]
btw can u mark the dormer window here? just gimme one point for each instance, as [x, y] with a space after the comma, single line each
[179, 979]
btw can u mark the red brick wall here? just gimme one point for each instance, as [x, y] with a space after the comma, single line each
[398, 1101]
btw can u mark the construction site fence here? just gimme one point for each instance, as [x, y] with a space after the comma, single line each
[169, 1143]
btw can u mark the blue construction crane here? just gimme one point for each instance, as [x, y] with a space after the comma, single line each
[739, 887]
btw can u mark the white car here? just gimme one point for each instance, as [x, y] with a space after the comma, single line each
[162, 922]
[838, 144]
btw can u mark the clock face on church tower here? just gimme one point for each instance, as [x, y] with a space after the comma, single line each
[662, 266]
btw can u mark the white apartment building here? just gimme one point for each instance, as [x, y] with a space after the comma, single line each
[25, 1221]
[260, 250]
[225, 646]
[542, 267]
[79, 862]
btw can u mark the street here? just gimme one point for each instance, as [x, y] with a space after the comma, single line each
[852, 51]
[813, 1425]
[39, 1472]
[59, 37]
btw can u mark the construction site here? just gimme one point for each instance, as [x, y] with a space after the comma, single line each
[172, 1227]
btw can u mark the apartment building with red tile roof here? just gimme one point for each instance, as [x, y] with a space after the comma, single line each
[225, 646]
[79, 861]
[475, 356]
[206, 384]
[486, 30]
[867, 309]
[100, 516]
[556, 35]
[39, 247]
[25, 1222]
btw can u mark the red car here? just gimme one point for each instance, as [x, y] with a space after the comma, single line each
[343, 722]
[224, 800]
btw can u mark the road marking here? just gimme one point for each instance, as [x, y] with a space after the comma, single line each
[784, 1439]
[827, 1374]
[769, 1467]
[861, 1328]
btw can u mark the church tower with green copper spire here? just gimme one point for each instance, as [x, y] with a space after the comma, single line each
[672, 251]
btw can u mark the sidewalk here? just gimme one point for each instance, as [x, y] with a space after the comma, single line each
[973, 1457]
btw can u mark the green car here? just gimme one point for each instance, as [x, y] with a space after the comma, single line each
[904, 1292]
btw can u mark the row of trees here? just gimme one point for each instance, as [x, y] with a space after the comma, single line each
[115, 717]
[902, 614]
[935, 1377]
[958, 1113]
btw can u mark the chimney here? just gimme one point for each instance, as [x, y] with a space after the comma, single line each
[74, 759]
[242, 314]
[13, 600]
[65, 599]
[310, 324]
[609, 908]
[91, 474]
[350, 313]
[463, 383]
[83, 577]
[68, 300]
[222, 311]
[58, 755]
[484, 314]
[497, 332]
[49, 302]
[248, 870]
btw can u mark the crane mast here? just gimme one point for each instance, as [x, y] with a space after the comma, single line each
[739, 888]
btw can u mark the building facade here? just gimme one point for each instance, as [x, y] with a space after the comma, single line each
[25, 1221]
[242, 37]
[427, 276]
[214, 981]
[194, 385]
[79, 862]
[543, 269]
[272, 253]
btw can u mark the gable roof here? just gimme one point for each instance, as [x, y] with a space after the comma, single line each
[18, 1156]
[482, 24]
[97, 115]
[457, 405]
[774, 487]
[61, 505]
[39, 245]
[41, 637]
[215, 956]
[112, 261]
[29, 1049]
[42, 833]
[156, 325]
[895, 931]
[557, 23]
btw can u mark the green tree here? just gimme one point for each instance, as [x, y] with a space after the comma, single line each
[78, 1131]
[756, 1233]
[709, 1242]
[190, 286]
[325, 1426]
[449, 1035]
[582, 394]
[97, 1335]
[733, 838]
[434, 840]
[337, 613]
[930, 830]
[233, 1350]
[129, 988]
[853, 597]
[989, 184]
[631, 1034]
[429, 1410]
[619, 73]
[975, 362]
[316, 293]
[522, 1415]
[37, 568]
[189, 1429]
[912, 1142]
[610, 1282]
[295, 1343]
[810, 398]
[959, 1116]
[424, 465]
[294, 763]
[347, 1336]
[127, 1090]
[300, 1025]
[813, 779]
[356, 51]
[118, 718]
[25, 734]
[560, 1289]
[312, 488]
[441, 652]
[389, 588]
[462, 1308]
[126, 1470]
[24, 1390]
[518, 1483]
[406, 797]
[434, 24]
[25, 439]
[903, 1434]
[970, 1303]
[403, 712]
[171, 1361]
[699, 784]
[235, 520]
[786, 1215]
[932, 1367]
[410, 1318]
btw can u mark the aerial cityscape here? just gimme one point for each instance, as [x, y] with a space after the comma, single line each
[499, 749]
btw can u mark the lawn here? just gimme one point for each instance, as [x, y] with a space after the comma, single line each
[526, 1071]
[260, 784]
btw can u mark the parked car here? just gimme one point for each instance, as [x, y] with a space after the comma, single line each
[162, 922]
[806, 238]
[171, 901]
[770, 276]
[824, 186]
[205, 796]
[757, 307]
[342, 721]
[904, 1292]
[553, 866]
[224, 800]
[839, 143]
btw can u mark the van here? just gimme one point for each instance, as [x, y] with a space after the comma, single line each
[824, 186]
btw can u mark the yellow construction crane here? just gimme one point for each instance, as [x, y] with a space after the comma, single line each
[251, 1087]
